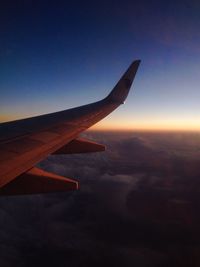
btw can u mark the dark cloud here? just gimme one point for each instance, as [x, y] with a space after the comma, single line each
[138, 205]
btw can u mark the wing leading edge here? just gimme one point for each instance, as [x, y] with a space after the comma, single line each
[24, 143]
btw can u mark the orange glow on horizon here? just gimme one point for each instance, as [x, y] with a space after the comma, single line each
[13, 117]
[7, 117]
[154, 125]
[109, 124]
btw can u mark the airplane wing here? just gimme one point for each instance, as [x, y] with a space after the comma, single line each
[24, 143]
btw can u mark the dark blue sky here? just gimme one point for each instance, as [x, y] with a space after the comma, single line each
[59, 54]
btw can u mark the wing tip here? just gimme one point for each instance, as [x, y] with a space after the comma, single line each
[137, 61]
[121, 89]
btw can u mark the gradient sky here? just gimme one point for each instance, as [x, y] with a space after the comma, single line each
[56, 55]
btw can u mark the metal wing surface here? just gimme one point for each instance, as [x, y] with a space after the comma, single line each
[24, 143]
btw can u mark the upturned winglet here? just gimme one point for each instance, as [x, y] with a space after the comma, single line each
[121, 89]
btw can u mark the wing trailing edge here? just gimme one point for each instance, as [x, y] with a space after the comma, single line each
[37, 181]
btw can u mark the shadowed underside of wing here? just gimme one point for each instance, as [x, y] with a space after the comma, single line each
[80, 145]
[40, 181]
[26, 142]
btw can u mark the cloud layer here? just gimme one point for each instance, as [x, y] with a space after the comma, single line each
[138, 205]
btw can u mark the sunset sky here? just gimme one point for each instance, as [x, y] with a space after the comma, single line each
[55, 55]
